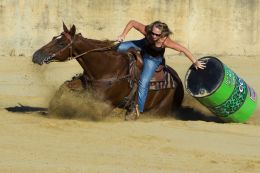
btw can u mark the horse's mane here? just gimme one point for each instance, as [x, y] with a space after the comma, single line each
[97, 43]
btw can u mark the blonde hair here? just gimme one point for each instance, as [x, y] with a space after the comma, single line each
[161, 26]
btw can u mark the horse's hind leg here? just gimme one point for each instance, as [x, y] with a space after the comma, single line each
[166, 106]
[160, 102]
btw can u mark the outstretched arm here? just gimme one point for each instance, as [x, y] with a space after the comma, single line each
[132, 24]
[176, 46]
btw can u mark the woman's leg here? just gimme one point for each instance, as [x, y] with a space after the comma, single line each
[124, 46]
[150, 65]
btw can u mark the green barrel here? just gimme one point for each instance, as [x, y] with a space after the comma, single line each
[219, 89]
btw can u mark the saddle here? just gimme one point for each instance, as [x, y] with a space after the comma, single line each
[161, 79]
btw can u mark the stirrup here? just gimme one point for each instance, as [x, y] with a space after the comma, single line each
[137, 111]
[132, 114]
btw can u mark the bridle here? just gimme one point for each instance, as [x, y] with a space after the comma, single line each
[69, 46]
[59, 52]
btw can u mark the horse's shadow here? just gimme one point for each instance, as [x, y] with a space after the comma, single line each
[27, 109]
[190, 114]
[183, 113]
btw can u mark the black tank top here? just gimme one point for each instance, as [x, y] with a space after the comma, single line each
[151, 49]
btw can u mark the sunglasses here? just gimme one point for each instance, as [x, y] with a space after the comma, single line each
[158, 35]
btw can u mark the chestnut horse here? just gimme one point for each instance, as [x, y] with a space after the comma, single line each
[105, 70]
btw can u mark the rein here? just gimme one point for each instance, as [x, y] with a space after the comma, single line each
[94, 50]
[84, 53]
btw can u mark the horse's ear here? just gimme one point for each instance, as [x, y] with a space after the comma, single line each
[65, 27]
[73, 30]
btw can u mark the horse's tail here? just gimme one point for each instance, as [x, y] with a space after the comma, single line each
[179, 92]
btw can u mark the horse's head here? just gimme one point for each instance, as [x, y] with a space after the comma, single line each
[58, 49]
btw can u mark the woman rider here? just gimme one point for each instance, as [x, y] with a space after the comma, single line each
[152, 47]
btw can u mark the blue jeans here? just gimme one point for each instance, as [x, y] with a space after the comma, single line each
[149, 67]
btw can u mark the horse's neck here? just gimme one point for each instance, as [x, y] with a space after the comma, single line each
[83, 45]
[100, 64]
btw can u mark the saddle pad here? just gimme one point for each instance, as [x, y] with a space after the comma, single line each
[166, 83]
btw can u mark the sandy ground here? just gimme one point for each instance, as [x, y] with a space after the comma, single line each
[31, 142]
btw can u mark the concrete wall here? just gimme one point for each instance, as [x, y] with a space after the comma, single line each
[222, 27]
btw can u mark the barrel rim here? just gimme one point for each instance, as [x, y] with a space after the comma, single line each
[219, 84]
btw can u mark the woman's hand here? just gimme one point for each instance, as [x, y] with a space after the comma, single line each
[121, 38]
[199, 64]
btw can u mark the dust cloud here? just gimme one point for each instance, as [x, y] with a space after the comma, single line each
[71, 104]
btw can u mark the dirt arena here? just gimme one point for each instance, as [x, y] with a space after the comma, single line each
[31, 142]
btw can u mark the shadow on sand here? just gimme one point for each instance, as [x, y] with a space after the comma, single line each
[184, 113]
[27, 109]
[190, 114]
